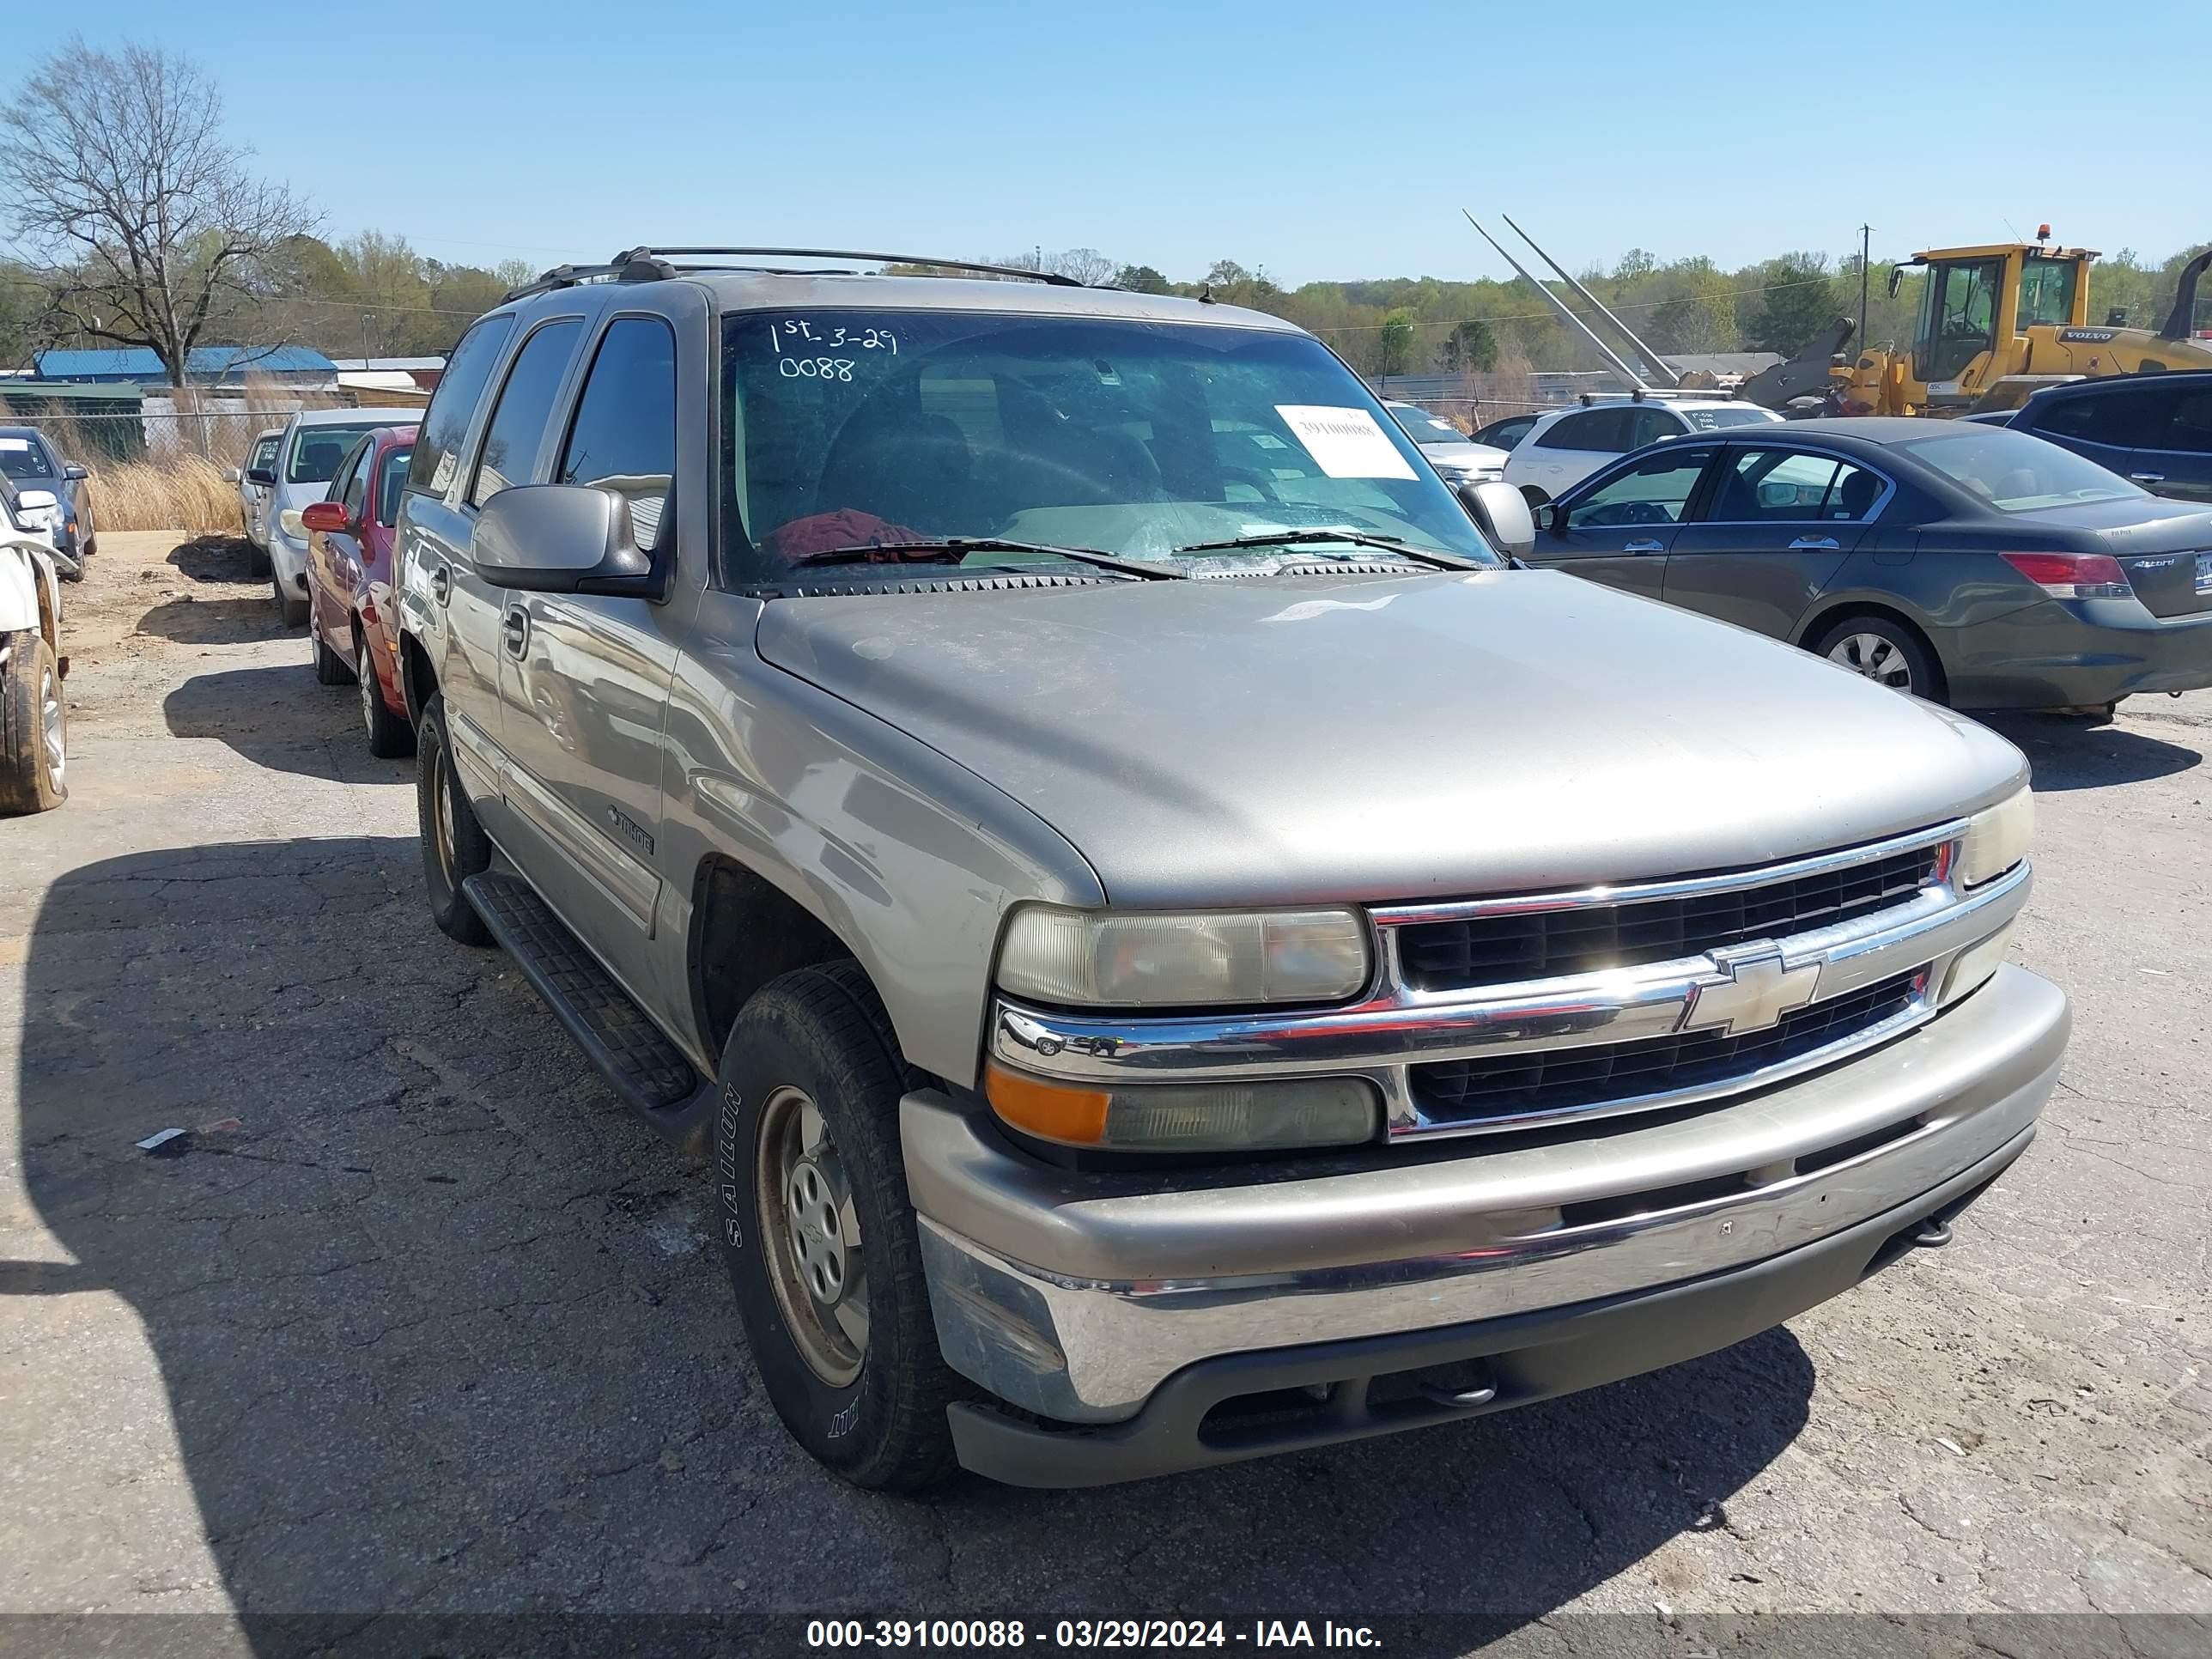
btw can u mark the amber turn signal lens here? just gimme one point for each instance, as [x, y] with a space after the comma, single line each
[1051, 1112]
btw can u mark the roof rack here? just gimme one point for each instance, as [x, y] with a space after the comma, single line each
[651, 265]
[1725, 394]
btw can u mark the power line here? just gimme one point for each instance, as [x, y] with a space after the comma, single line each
[302, 300]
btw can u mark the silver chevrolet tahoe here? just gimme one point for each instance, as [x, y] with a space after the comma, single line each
[1175, 947]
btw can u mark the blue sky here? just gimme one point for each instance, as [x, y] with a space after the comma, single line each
[1319, 141]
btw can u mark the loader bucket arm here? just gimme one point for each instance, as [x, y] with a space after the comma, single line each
[1805, 373]
[2184, 313]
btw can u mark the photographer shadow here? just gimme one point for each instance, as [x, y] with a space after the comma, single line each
[440, 1328]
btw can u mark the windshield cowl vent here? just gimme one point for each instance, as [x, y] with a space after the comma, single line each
[1310, 568]
[948, 584]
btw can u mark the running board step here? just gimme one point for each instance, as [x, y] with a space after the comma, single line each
[645, 1069]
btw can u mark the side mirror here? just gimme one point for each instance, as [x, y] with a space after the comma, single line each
[1501, 512]
[1896, 280]
[36, 498]
[74, 473]
[263, 476]
[230, 475]
[1547, 518]
[558, 538]
[329, 517]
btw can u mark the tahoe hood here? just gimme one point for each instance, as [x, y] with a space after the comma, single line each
[1286, 739]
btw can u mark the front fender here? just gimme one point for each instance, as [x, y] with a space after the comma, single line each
[30, 592]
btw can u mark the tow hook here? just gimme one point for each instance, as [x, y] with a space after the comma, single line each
[1933, 1235]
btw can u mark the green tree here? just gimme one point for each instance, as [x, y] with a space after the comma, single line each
[1142, 279]
[1796, 300]
[1470, 344]
[1394, 343]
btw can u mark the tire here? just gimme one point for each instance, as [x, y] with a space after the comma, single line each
[1885, 652]
[875, 1414]
[465, 849]
[291, 609]
[256, 561]
[330, 667]
[34, 727]
[390, 736]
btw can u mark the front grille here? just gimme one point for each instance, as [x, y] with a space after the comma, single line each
[1464, 1091]
[1499, 950]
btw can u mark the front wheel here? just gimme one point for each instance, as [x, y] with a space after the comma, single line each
[389, 734]
[291, 608]
[330, 667]
[34, 727]
[819, 1234]
[1884, 652]
[455, 845]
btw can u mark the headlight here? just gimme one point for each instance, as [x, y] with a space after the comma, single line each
[1100, 958]
[1189, 1117]
[288, 522]
[1996, 840]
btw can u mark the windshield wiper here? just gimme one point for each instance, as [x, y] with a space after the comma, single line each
[1354, 538]
[953, 549]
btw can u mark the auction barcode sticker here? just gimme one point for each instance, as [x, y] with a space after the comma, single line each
[1345, 443]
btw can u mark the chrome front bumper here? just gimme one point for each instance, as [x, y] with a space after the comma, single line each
[1076, 1295]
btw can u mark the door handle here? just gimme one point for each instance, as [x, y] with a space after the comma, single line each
[2148, 477]
[441, 584]
[1644, 547]
[1813, 544]
[514, 630]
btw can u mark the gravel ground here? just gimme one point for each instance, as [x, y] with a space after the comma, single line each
[424, 1320]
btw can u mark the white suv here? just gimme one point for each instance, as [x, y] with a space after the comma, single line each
[1567, 445]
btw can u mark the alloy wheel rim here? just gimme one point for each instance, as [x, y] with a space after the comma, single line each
[1875, 657]
[442, 793]
[368, 692]
[811, 1229]
[50, 729]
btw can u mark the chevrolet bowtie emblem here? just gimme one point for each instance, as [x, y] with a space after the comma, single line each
[1754, 991]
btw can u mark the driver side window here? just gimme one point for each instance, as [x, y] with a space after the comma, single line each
[1655, 491]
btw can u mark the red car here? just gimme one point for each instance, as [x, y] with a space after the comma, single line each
[351, 619]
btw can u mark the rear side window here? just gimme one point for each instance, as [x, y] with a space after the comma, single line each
[2109, 417]
[624, 438]
[2188, 429]
[445, 423]
[526, 406]
[1648, 426]
[1605, 430]
[1783, 486]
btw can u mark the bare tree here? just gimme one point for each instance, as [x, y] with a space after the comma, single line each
[116, 176]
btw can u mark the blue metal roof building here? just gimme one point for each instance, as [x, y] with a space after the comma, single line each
[219, 365]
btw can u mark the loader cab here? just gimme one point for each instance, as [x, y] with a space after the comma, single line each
[1976, 301]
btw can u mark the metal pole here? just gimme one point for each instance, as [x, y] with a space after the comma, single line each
[1866, 247]
[364, 340]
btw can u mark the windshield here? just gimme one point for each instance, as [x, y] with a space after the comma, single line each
[855, 429]
[2016, 473]
[25, 458]
[1424, 429]
[317, 451]
[1712, 420]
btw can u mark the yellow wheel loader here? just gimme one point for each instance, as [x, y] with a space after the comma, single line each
[1996, 322]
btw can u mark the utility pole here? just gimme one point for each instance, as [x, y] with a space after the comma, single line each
[364, 340]
[1866, 247]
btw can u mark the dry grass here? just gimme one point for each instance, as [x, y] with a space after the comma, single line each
[187, 494]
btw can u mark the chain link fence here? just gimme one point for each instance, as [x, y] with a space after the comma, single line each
[154, 433]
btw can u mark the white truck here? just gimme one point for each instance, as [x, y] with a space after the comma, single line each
[34, 722]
